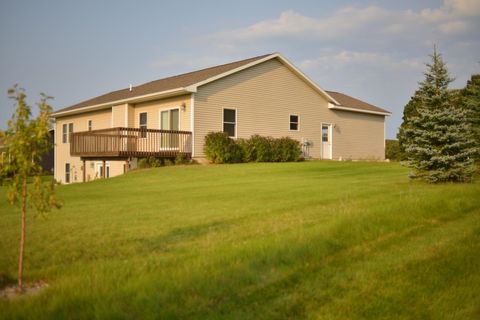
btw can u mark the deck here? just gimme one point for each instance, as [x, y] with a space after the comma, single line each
[123, 143]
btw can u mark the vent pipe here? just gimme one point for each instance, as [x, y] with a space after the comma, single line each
[131, 88]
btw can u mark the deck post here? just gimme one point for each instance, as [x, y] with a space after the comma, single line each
[84, 170]
[104, 169]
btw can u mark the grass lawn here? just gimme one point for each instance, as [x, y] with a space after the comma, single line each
[316, 240]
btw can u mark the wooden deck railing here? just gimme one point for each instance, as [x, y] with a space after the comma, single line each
[130, 142]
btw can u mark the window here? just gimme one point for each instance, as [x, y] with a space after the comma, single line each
[89, 125]
[67, 128]
[230, 122]
[169, 120]
[325, 133]
[67, 172]
[294, 122]
[65, 133]
[143, 124]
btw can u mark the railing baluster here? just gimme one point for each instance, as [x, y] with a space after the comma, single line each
[131, 142]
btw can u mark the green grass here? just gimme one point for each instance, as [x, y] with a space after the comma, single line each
[315, 240]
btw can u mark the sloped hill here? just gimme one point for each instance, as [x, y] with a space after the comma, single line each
[326, 240]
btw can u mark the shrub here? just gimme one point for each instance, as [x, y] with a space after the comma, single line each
[143, 163]
[287, 149]
[393, 151]
[149, 162]
[219, 148]
[182, 159]
[258, 149]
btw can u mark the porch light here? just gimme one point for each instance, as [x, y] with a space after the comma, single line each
[184, 106]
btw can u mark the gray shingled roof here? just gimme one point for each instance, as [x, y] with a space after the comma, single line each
[187, 79]
[351, 102]
[169, 83]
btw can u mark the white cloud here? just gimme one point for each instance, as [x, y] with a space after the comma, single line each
[463, 7]
[451, 17]
[291, 23]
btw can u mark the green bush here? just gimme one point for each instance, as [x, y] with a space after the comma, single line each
[150, 162]
[258, 149]
[219, 148]
[287, 149]
[393, 151]
[182, 159]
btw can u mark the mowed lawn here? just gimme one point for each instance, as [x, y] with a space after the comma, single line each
[316, 240]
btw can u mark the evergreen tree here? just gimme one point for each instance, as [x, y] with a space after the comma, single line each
[438, 139]
[471, 101]
[409, 111]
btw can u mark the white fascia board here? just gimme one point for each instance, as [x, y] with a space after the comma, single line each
[194, 87]
[331, 106]
[150, 96]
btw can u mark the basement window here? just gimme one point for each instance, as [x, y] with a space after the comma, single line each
[67, 172]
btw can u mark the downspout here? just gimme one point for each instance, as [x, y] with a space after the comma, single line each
[192, 121]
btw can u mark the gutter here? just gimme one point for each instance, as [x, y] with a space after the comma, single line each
[150, 96]
[343, 108]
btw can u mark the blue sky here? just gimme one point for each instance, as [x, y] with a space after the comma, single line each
[373, 50]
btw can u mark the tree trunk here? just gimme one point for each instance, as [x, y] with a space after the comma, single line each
[22, 235]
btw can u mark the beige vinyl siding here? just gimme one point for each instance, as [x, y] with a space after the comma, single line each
[100, 120]
[131, 116]
[266, 95]
[118, 115]
[153, 109]
[358, 136]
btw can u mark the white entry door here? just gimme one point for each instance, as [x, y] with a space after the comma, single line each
[326, 141]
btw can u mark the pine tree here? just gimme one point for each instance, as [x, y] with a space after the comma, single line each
[438, 139]
[471, 101]
[409, 111]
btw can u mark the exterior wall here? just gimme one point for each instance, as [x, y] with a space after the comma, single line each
[117, 116]
[153, 109]
[100, 120]
[266, 95]
[120, 115]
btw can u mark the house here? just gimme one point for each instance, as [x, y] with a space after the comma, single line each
[266, 95]
[46, 161]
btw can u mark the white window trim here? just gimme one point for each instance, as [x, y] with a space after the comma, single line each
[169, 124]
[236, 120]
[139, 125]
[64, 133]
[140, 116]
[89, 127]
[290, 122]
[67, 140]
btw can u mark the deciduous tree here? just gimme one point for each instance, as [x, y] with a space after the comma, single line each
[26, 141]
